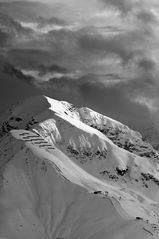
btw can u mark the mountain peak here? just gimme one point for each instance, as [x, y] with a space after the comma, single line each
[86, 149]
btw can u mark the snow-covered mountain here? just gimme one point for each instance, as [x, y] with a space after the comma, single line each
[120, 134]
[71, 173]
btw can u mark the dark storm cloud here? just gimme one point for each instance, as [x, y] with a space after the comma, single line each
[125, 45]
[114, 48]
[146, 17]
[123, 5]
[115, 45]
[114, 103]
[4, 38]
[82, 47]
[85, 45]
[52, 20]
[141, 10]
[12, 88]
[26, 10]
[147, 64]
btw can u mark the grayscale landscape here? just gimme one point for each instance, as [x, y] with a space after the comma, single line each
[79, 116]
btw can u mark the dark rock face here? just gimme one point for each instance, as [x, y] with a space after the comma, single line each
[83, 155]
[129, 140]
[15, 123]
[121, 172]
[149, 177]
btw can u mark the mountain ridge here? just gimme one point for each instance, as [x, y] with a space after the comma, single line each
[119, 133]
[56, 132]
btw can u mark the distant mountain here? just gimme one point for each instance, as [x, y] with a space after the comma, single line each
[51, 151]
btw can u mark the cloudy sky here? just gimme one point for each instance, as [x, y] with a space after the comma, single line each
[100, 53]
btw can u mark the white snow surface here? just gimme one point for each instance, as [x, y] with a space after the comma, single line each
[62, 177]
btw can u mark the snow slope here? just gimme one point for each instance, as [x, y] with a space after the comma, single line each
[50, 155]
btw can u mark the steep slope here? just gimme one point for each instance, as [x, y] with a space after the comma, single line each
[56, 138]
[37, 203]
[120, 134]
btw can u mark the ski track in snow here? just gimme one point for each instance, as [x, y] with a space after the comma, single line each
[75, 174]
[66, 166]
[60, 121]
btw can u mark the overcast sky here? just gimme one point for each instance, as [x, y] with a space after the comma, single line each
[111, 49]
